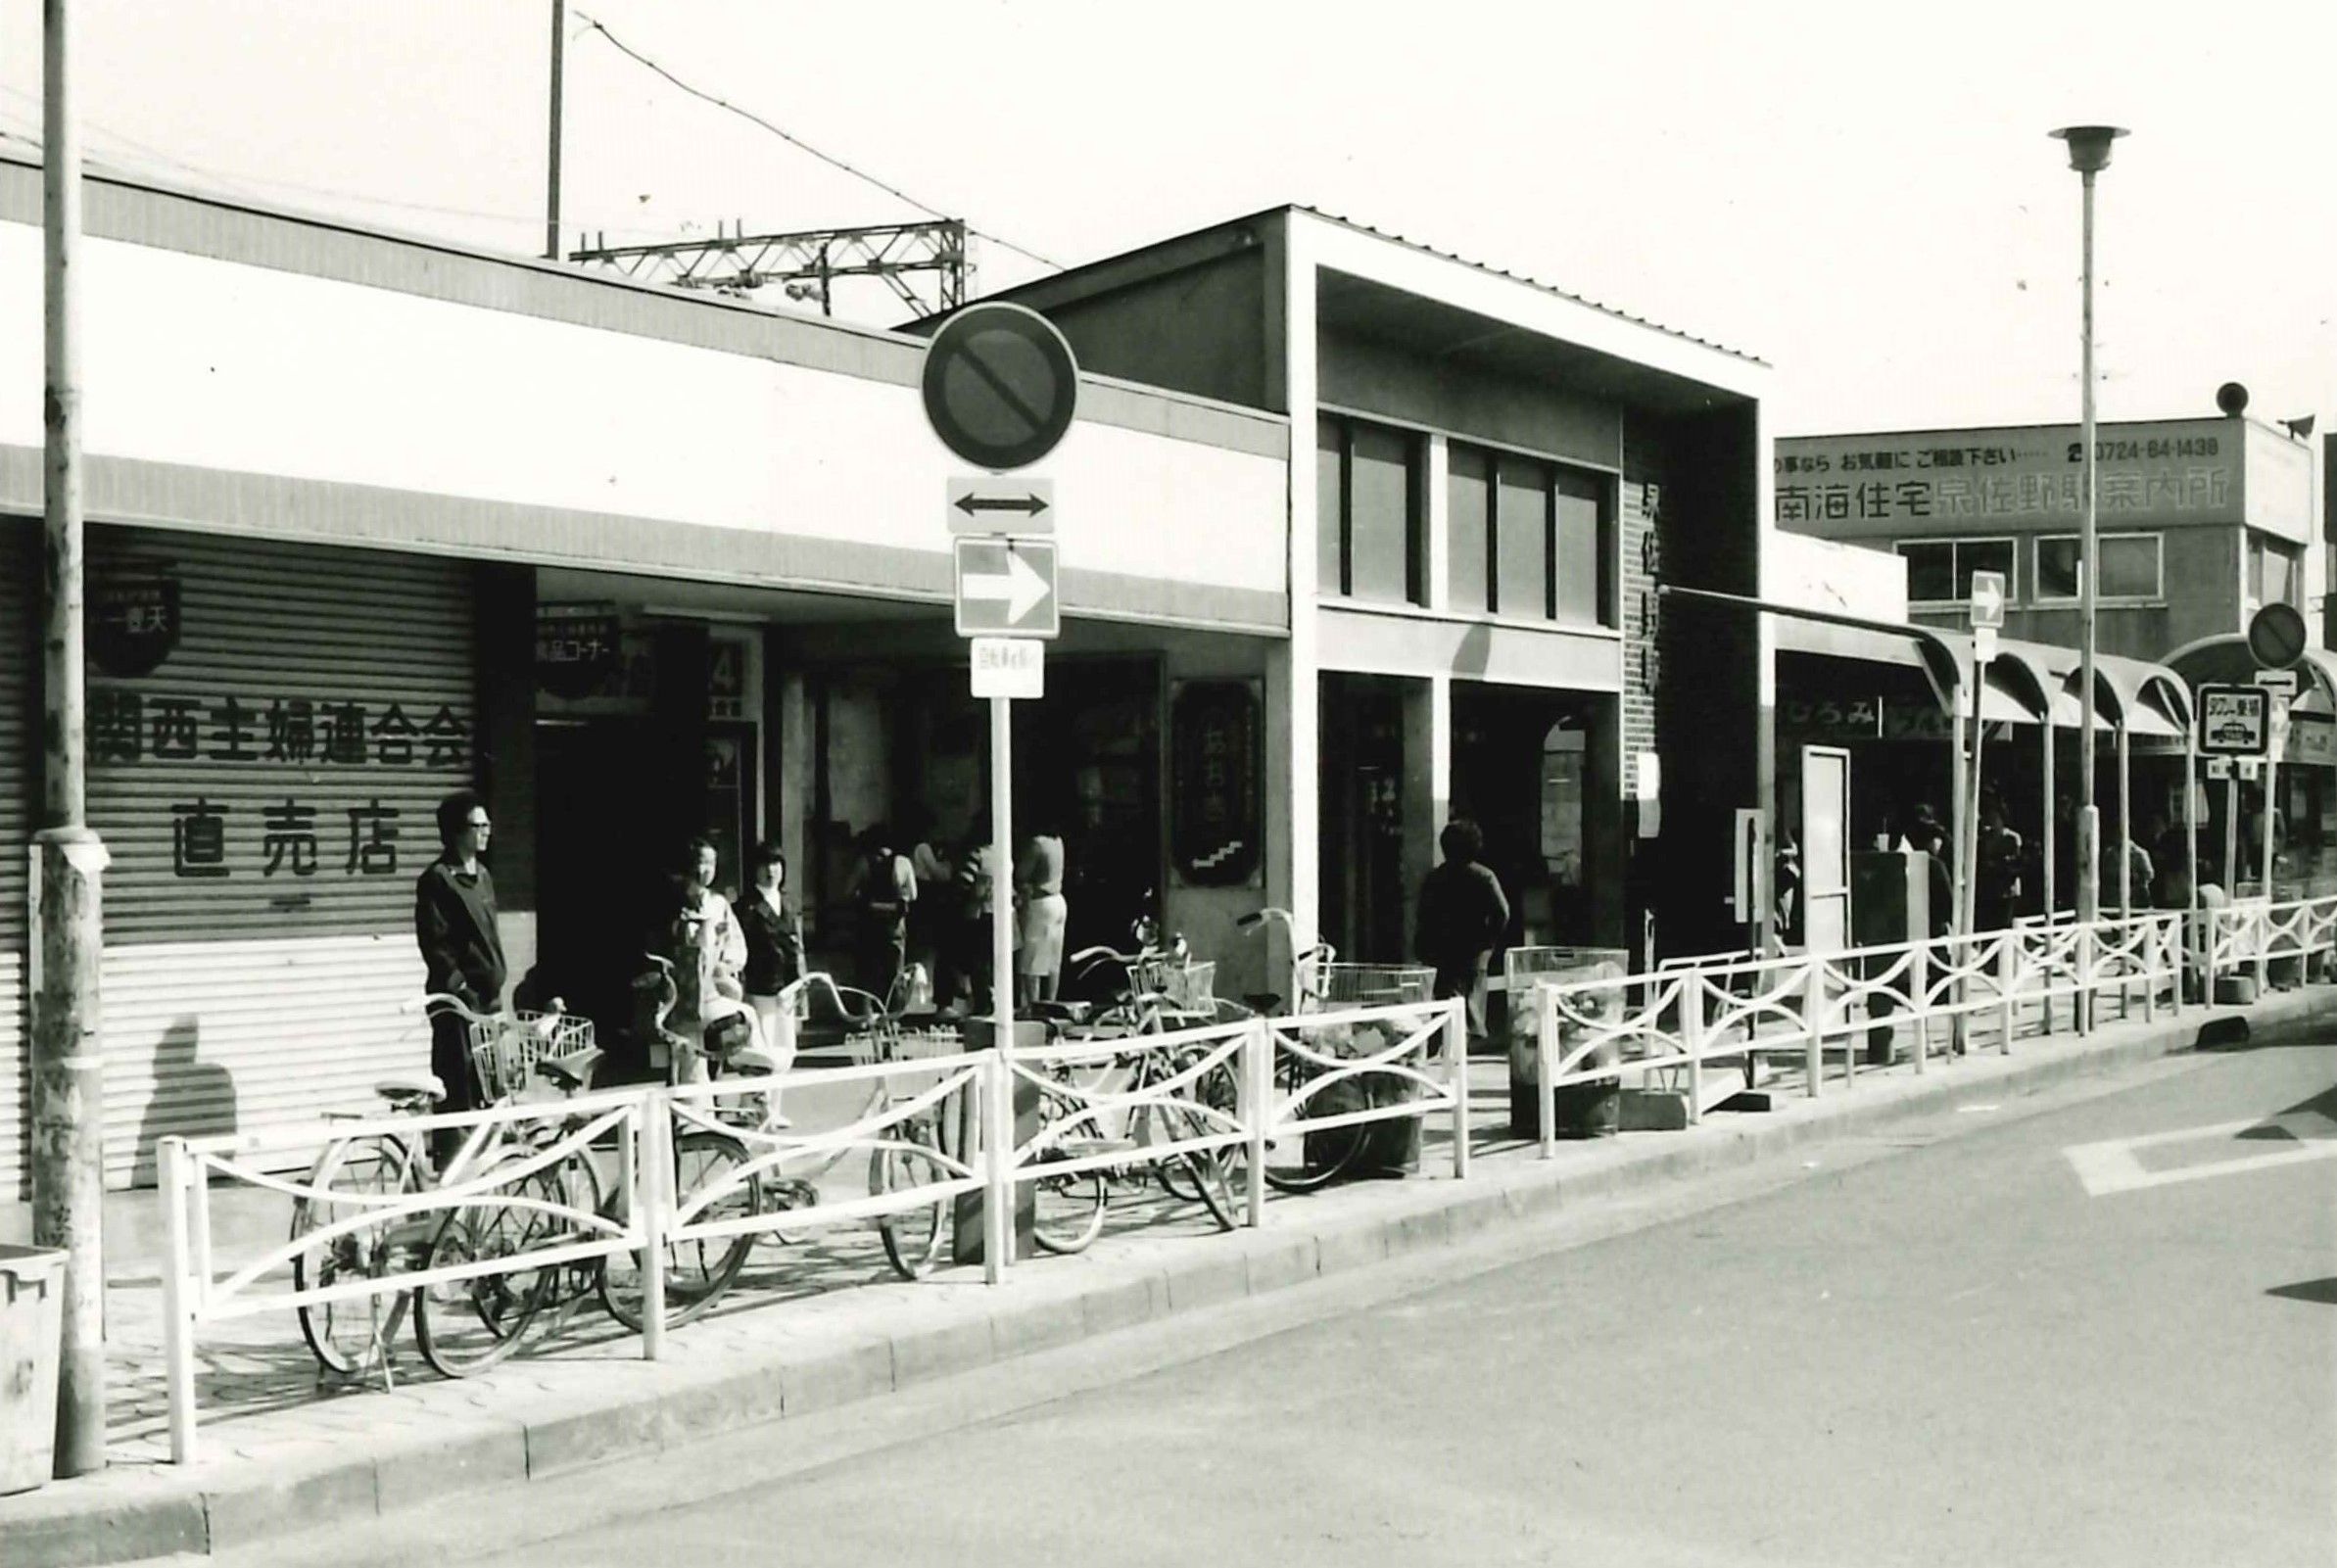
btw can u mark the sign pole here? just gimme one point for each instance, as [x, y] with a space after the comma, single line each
[1002, 915]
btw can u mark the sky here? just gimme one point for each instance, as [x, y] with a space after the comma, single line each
[1863, 195]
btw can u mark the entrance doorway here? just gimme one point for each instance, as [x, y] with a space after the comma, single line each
[1363, 902]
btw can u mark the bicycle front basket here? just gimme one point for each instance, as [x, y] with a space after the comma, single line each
[504, 1049]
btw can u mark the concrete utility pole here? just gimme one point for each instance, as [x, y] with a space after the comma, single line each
[2089, 155]
[67, 1090]
[551, 197]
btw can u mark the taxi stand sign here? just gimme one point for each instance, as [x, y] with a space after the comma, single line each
[2235, 721]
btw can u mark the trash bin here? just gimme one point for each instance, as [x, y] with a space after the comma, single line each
[1593, 1110]
[1390, 1146]
[31, 1307]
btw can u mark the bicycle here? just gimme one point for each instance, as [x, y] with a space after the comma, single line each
[464, 1325]
[1071, 1207]
[712, 1156]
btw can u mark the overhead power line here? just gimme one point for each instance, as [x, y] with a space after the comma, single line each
[595, 24]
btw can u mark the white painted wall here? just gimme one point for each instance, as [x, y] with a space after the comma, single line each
[188, 360]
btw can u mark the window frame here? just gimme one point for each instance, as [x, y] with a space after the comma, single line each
[1416, 509]
[2037, 579]
[1955, 544]
[1606, 592]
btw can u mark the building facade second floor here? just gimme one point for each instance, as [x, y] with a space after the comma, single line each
[2199, 521]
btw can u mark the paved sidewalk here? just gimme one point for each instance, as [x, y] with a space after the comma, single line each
[824, 1321]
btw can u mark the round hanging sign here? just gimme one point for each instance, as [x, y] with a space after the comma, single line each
[2276, 635]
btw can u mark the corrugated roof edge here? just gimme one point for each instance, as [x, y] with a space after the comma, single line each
[1530, 282]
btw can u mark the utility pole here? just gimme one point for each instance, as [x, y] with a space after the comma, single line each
[551, 199]
[67, 1090]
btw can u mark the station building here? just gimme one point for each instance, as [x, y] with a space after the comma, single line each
[2200, 522]
[1502, 476]
[372, 517]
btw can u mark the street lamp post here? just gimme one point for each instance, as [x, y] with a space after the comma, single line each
[2089, 155]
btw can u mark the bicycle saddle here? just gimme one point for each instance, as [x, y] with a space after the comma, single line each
[572, 1071]
[1057, 1012]
[407, 1087]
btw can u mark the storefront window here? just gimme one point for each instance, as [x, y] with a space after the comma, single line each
[1468, 492]
[1521, 582]
[1330, 505]
[2129, 567]
[1368, 518]
[1580, 504]
[1940, 570]
[1382, 524]
[2274, 571]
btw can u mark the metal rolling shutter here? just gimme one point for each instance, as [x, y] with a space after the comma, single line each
[20, 661]
[271, 729]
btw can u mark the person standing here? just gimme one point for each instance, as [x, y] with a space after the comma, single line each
[1040, 914]
[882, 888]
[929, 917]
[462, 951]
[1462, 916]
[1998, 858]
[969, 915]
[774, 957]
[708, 951]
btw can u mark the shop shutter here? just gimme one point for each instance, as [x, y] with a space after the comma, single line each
[271, 729]
[20, 662]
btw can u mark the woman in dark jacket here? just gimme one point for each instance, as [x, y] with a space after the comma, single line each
[774, 955]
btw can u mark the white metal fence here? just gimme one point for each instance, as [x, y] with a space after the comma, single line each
[1221, 1076]
[1679, 1023]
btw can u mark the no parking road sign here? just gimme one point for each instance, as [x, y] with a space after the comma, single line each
[1005, 587]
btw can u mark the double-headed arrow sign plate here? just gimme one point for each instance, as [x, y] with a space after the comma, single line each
[1005, 587]
[1001, 505]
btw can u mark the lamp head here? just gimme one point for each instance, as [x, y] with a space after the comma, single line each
[2089, 146]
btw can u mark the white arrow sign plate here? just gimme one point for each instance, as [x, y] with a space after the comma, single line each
[993, 505]
[1005, 587]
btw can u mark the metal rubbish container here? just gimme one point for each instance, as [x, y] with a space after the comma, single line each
[1592, 1110]
[31, 1308]
[1394, 1146]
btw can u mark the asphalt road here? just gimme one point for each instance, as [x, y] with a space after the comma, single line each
[1997, 1336]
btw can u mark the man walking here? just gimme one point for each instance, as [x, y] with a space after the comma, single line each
[463, 952]
[1463, 914]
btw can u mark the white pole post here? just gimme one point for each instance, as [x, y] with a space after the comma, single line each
[1457, 1053]
[1813, 1007]
[1258, 1108]
[1692, 1040]
[178, 1324]
[998, 1165]
[1545, 1093]
[2264, 949]
[2008, 976]
[652, 1185]
[2085, 959]
[1918, 985]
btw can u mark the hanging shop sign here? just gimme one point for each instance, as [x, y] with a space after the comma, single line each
[1217, 809]
[579, 650]
[133, 617]
[1839, 720]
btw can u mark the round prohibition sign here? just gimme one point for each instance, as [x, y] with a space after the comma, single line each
[1000, 385]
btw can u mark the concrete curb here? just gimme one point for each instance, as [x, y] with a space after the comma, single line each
[427, 1442]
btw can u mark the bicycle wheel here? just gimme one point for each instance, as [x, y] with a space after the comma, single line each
[344, 1335]
[468, 1325]
[580, 1190]
[1304, 1161]
[1218, 1090]
[1204, 1170]
[913, 1237]
[697, 1270]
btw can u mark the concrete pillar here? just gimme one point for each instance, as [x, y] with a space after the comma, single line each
[1291, 687]
[1436, 522]
[1427, 772]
